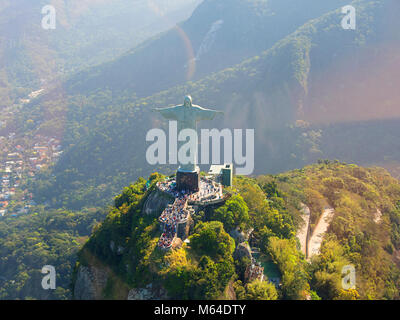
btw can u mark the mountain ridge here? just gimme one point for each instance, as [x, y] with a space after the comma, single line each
[274, 93]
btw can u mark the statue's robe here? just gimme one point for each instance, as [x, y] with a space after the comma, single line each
[187, 118]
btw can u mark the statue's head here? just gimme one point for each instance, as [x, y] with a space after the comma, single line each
[188, 101]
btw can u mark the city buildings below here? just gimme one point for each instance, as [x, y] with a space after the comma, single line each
[20, 161]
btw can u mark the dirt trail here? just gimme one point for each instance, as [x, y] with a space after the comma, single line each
[303, 230]
[316, 238]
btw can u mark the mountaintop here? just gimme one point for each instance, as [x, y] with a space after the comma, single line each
[122, 259]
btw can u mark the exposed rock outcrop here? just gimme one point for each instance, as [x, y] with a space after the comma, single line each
[156, 202]
[240, 236]
[148, 293]
[119, 250]
[90, 283]
[242, 250]
[378, 216]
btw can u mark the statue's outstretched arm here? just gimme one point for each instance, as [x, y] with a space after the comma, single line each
[168, 113]
[206, 114]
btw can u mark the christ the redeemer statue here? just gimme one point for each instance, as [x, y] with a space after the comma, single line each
[187, 116]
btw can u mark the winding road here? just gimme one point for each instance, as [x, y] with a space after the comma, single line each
[317, 236]
[303, 230]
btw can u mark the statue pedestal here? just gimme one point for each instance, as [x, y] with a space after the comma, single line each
[188, 180]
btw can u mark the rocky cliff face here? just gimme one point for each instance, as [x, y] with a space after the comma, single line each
[242, 250]
[147, 293]
[156, 203]
[91, 280]
[90, 283]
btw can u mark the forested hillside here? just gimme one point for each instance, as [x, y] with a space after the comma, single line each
[218, 35]
[309, 88]
[45, 237]
[364, 232]
[88, 32]
[277, 93]
[209, 266]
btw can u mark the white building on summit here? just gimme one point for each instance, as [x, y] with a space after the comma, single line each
[222, 173]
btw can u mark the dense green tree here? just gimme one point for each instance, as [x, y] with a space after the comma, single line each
[294, 276]
[234, 213]
[210, 239]
[44, 237]
[261, 290]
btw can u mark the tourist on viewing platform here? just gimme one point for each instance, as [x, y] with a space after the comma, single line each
[178, 212]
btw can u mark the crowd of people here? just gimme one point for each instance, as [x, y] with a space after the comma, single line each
[168, 186]
[178, 211]
[208, 191]
[167, 236]
[171, 216]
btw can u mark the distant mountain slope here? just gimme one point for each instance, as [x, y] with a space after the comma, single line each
[276, 93]
[219, 34]
[88, 32]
